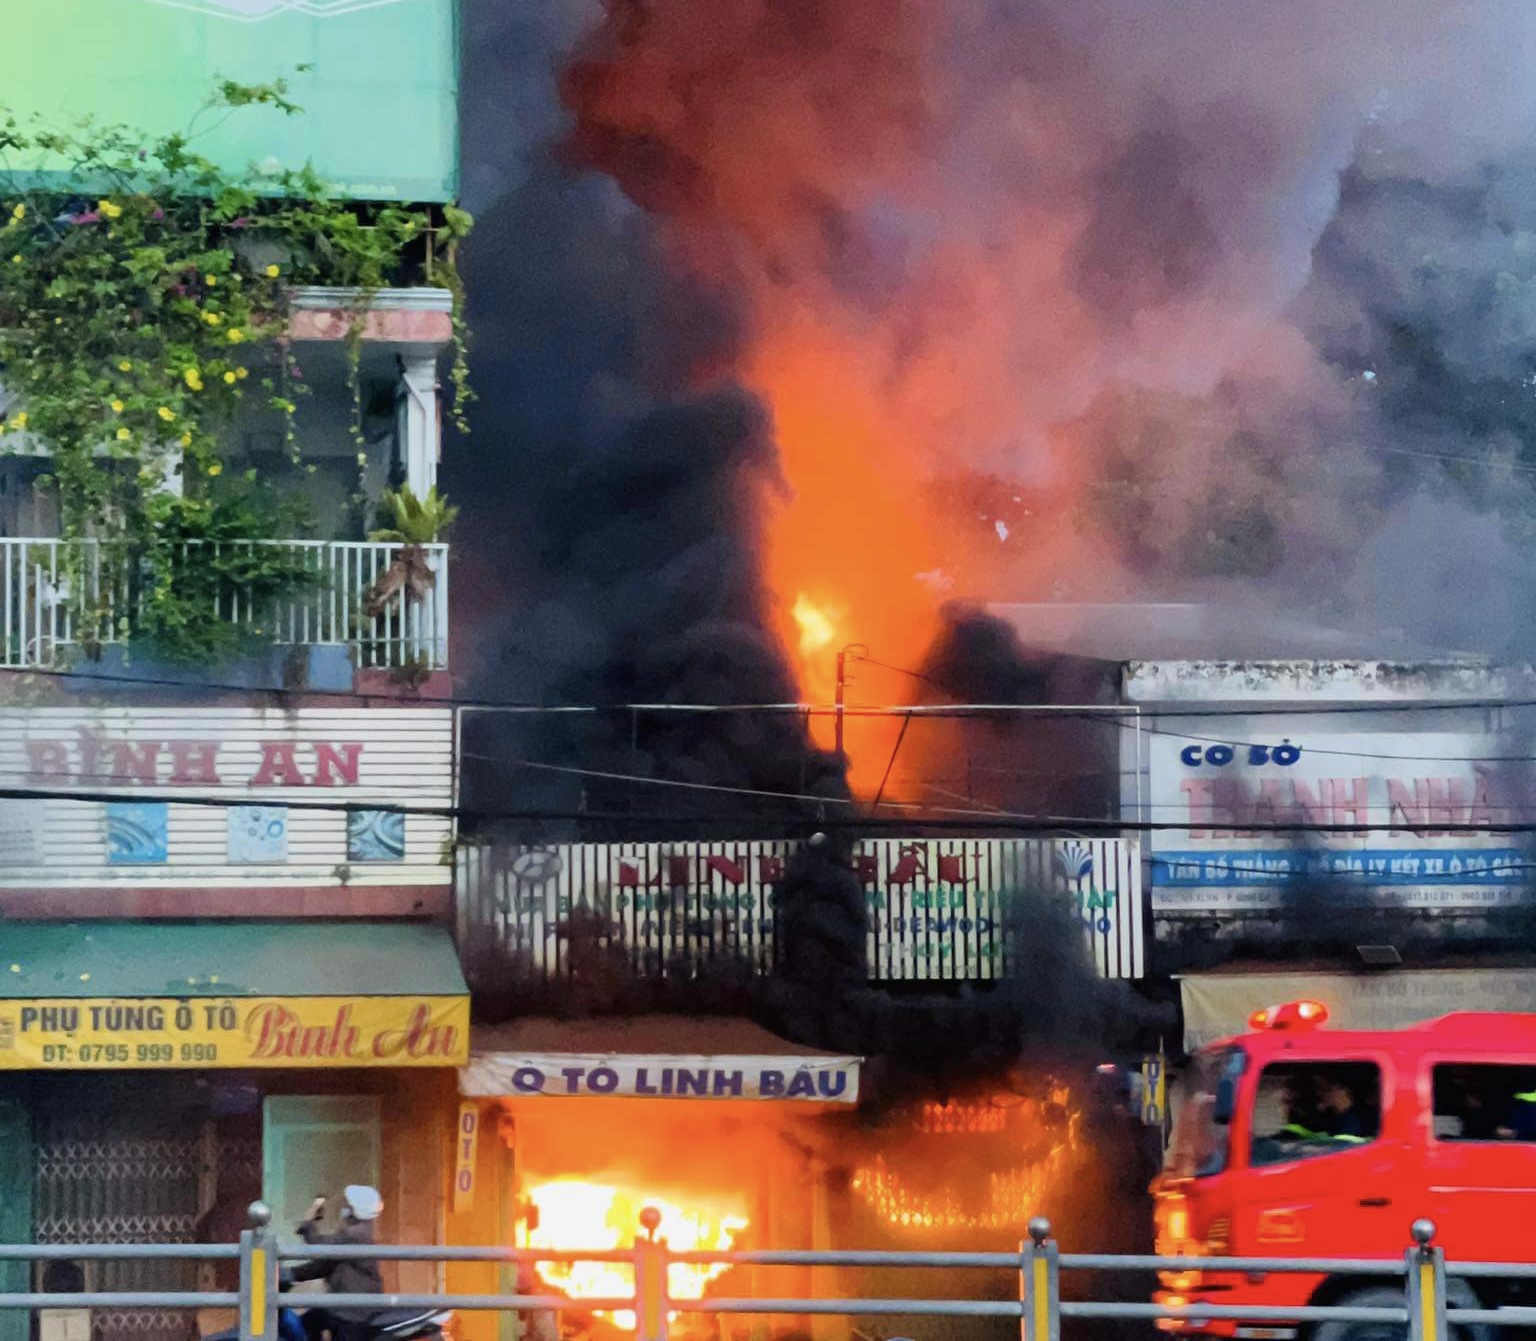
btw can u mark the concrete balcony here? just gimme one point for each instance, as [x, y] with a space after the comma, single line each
[343, 606]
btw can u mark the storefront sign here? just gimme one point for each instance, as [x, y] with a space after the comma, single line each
[832, 1080]
[467, 1144]
[1154, 1090]
[1418, 791]
[132, 1034]
[935, 908]
[1218, 1005]
[150, 771]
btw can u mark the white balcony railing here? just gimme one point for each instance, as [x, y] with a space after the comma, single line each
[40, 620]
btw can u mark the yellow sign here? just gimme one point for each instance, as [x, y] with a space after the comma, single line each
[150, 1033]
[468, 1140]
[1154, 1090]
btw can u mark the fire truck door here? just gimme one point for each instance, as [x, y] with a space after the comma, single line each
[1482, 1197]
[1322, 1204]
[1480, 1158]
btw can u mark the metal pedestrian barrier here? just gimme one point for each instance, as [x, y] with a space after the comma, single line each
[1037, 1267]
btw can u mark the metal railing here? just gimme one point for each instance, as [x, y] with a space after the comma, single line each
[46, 584]
[1039, 1307]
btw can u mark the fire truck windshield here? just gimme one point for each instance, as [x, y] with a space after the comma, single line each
[1310, 1108]
[1202, 1127]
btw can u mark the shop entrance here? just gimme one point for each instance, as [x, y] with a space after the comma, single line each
[116, 1160]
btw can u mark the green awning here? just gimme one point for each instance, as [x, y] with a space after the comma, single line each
[51, 960]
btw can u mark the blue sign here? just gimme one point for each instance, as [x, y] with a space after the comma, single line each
[376, 835]
[258, 834]
[1464, 866]
[137, 833]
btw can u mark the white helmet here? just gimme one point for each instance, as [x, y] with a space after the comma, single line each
[365, 1203]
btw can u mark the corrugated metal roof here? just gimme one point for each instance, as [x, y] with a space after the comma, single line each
[135, 959]
[1186, 631]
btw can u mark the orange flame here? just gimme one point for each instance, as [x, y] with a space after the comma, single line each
[573, 1214]
[818, 630]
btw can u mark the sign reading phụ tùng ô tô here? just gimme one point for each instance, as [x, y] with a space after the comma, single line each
[74, 1034]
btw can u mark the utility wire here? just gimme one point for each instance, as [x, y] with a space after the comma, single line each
[918, 812]
[523, 707]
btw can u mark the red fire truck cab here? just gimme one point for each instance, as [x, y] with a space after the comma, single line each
[1295, 1140]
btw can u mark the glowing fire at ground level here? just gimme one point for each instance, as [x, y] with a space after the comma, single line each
[722, 1175]
[576, 1214]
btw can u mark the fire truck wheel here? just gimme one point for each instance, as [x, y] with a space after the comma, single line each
[1385, 1296]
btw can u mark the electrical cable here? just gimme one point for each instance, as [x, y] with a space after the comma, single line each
[949, 818]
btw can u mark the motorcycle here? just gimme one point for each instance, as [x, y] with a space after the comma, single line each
[385, 1324]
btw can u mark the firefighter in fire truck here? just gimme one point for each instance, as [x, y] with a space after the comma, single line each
[1521, 1124]
[1317, 1108]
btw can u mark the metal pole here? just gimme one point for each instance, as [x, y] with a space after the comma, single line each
[837, 700]
[258, 1277]
[1426, 1284]
[651, 1306]
[856, 652]
[1040, 1284]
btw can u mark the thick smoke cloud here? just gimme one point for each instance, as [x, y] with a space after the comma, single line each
[614, 487]
[888, 304]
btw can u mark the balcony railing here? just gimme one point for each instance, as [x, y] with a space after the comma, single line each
[40, 620]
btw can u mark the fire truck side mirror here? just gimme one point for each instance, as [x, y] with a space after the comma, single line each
[1225, 1106]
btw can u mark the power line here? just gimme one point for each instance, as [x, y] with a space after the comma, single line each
[1116, 716]
[797, 708]
[951, 818]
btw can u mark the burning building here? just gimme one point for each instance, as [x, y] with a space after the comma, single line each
[717, 1125]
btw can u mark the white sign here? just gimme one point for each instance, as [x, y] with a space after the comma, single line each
[1218, 1005]
[21, 832]
[934, 908]
[805, 1079]
[1422, 789]
[276, 774]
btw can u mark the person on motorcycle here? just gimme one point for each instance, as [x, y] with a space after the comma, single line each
[360, 1209]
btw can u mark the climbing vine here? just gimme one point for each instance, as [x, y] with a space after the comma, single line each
[144, 295]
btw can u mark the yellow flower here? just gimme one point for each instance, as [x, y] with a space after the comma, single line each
[210, 280]
[166, 413]
[186, 439]
[125, 366]
[215, 469]
[117, 407]
[193, 379]
[110, 208]
[123, 435]
[212, 318]
[273, 271]
[20, 420]
[16, 259]
[19, 213]
[235, 335]
[241, 373]
[229, 377]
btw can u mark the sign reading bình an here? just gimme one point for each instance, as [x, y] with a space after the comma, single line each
[134, 1034]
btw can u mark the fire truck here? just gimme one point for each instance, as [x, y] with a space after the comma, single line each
[1296, 1140]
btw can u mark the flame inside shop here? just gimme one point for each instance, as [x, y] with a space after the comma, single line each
[580, 1173]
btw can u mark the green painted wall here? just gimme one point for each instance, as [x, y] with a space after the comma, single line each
[15, 1210]
[380, 104]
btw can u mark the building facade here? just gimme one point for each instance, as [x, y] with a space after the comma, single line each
[226, 965]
